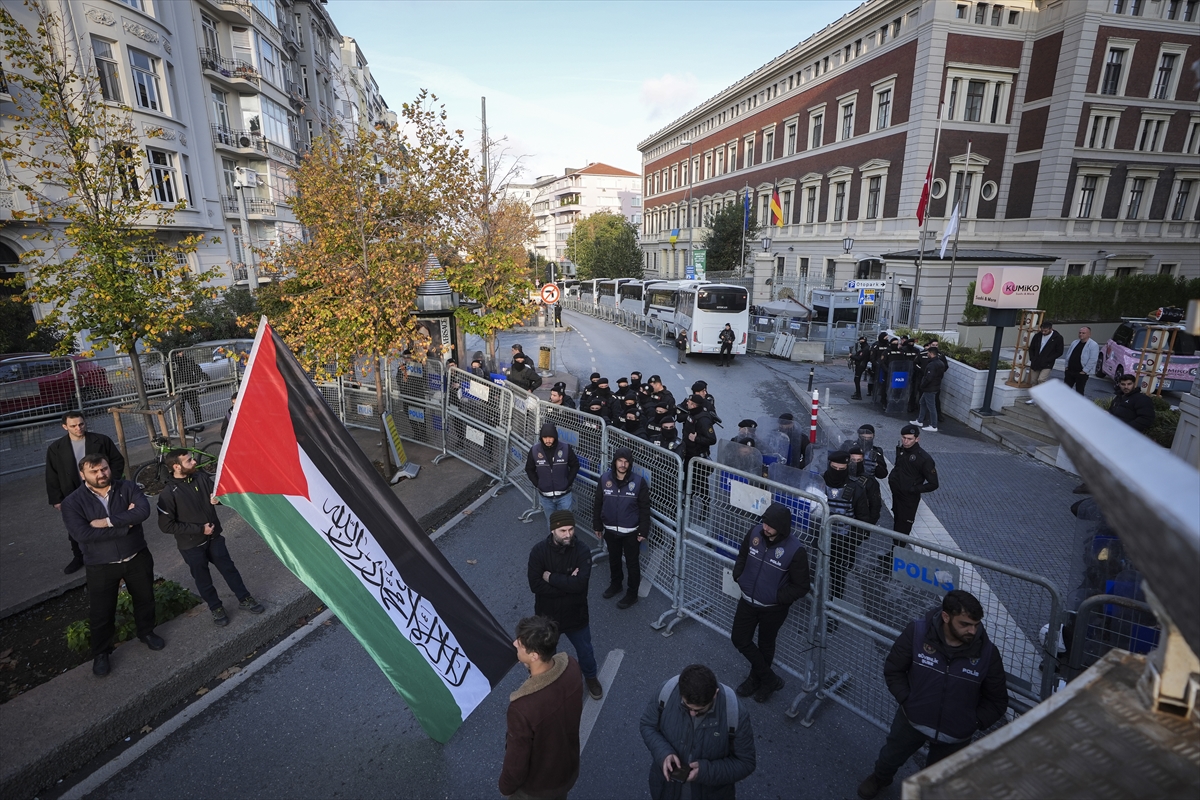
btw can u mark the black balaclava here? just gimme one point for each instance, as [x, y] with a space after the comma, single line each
[837, 478]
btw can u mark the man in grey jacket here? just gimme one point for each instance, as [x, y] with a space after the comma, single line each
[698, 734]
[1081, 358]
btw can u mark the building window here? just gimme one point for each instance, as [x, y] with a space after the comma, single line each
[874, 184]
[974, 108]
[133, 4]
[981, 13]
[791, 138]
[816, 125]
[1167, 269]
[1192, 143]
[839, 201]
[963, 184]
[802, 267]
[106, 70]
[229, 176]
[1183, 192]
[989, 190]
[1075, 269]
[1137, 190]
[883, 34]
[953, 101]
[1087, 195]
[732, 160]
[960, 12]
[785, 199]
[997, 15]
[1166, 68]
[1189, 11]
[1102, 129]
[1014, 17]
[1113, 71]
[1150, 136]
[847, 129]
[996, 103]
[162, 176]
[127, 176]
[768, 146]
[268, 59]
[883, 108]
[810, 205]
[276, 123]
[145, 80]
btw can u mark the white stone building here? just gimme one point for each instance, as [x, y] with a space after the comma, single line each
[559, 201]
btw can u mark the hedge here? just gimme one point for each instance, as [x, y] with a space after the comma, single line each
[1099, 298]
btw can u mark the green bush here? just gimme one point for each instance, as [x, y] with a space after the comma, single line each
[170, 600]
[1099, 298]
[1166, 420]
[973, 314]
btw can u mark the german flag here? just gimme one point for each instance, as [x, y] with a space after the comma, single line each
[776, 208]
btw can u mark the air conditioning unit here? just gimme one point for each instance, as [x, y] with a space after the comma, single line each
[243, 141]
[247, 178]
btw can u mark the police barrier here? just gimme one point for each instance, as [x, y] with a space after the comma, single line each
[417, 401]
[721, 505]
[205, 378]
[869, 599]
[361, 404]
[478, 415]
[1104, 622]
[663, 471]
[523, 433]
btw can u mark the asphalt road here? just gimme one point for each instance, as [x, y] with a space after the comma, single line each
[321, 721]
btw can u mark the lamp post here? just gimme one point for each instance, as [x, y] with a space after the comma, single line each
[244, 178]
[848, 244]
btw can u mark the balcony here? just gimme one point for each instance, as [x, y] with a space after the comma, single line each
[242, 141]
[235, 12]
[241, 274]
[229, 204]
[231, 70]
[259, 207]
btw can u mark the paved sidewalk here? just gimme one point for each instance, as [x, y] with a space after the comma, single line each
[60, 725]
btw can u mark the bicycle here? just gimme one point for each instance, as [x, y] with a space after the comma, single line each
[152, 475]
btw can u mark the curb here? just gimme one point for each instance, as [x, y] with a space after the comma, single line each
[49, 594]
[26, 775]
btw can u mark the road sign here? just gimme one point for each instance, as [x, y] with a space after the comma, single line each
[549, 294]
[689, 272]
[856, 284]
[866, 297]
[700, 263]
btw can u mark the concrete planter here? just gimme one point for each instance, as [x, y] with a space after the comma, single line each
[962, 391]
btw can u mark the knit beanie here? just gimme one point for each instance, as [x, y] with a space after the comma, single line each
[561, 519]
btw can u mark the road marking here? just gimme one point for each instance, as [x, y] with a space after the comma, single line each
[677, 375]
[593, 359]
[591, 708]
[106, 772]
[664, 358]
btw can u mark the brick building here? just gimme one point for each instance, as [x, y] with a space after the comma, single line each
[1082, 119]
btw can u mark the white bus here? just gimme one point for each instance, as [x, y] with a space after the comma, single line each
[632, 296]
[662, 298]
[703, 309]
[568, 287]
[606, 291]
[589, 291]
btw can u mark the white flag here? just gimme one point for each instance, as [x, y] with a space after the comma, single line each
[951, 229]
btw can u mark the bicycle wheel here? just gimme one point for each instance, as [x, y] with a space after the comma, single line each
[206, 459]
[149, 477]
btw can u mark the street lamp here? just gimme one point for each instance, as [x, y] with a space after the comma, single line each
[848, 244]
[246, 178]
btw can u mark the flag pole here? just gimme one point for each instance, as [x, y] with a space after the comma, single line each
[916, 298]
[745, 222]
[966, 200]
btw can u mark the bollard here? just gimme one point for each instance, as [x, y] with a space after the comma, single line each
[812, 432]
[811, 370]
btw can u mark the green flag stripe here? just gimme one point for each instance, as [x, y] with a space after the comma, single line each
[302, 550]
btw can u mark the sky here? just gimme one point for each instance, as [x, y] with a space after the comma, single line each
[570, 82]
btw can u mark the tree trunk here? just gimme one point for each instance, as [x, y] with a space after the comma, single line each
[490, 341]
[139, 382]
[383, 431]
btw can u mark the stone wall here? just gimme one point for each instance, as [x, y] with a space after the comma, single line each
[962, 391]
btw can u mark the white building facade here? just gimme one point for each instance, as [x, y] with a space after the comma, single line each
[560, 201]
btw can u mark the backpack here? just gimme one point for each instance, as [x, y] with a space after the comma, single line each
[731, 705]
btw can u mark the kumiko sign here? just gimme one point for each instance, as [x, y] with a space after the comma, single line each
[1008, 287]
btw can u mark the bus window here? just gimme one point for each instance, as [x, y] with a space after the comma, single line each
[722, 300]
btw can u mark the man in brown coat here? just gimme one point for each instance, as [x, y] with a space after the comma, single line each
[541, 750]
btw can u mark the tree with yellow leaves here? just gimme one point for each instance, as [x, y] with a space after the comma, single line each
[375, 205]
[107, 267]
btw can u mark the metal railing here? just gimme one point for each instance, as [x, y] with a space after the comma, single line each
[1105, 622]
[213, 61]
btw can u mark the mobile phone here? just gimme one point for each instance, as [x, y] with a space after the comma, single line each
[681, 773]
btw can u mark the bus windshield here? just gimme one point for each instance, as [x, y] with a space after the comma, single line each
[733, 300]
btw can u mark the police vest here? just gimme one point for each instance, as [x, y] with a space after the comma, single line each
[944, 693]
[553, 476]
[766, 567]
[872, 458]
[619, 512]
[841, 501]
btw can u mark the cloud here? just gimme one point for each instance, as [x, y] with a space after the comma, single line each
[669, 95]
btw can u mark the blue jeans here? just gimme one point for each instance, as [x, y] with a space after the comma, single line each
[928, 413]
[581, 640]
[565, 502]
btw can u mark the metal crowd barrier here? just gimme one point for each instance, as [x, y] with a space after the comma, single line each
[721, 505]
[1107, 621]
[866, 602]
[206, 378]
[478, 416]
[417, 401]
[522, 435]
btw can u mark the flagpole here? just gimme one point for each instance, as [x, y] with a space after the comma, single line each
[915, 305]
[957, 229]
[745, 222]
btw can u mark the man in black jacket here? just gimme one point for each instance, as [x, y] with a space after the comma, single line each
[860, 361]
[186, 510]
[62, 467]
[725, 338]
[867, 480]
[914, 474]
[848, 498]
[105, 515]
[1045, 348]
[772, 572]
[621, 519]
[949, 680]
[933, 371]
[698, 433]
[560, 567]
[1131, 405]
[551, 467]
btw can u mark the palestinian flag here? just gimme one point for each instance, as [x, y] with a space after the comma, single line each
[291, 469]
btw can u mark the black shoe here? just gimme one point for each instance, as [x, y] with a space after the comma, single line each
[248, 603]
[872, 786]
[75, 565]
[153, 641]
[747, 687]
[856, 396]
[629, 599]
[613, 590]
[220, 618]
[100, 665]
[770, 686]
[1080, 489]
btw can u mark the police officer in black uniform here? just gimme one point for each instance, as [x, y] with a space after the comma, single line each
[873, 461]
[551, 467]
[848, 498]
[725, 338]
[913, 474]
[949, 680]
[747, 433]
[772, 572]
[698, 433]
[710, 402]
[867, 480]
[879, 352]
[659, 397]
[860, 362]
[621, 519]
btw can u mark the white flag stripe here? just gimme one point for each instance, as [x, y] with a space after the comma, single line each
[951, 229]
[472, 685]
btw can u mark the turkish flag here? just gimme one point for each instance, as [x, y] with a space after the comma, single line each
[924, 203]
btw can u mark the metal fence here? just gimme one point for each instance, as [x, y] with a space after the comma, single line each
[478, 416]
[872, 593]
[522, 435]
[1105, 622]
[721, 505]
[417, 400]
[206, 378]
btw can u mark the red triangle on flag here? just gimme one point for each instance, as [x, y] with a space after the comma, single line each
[261, 455]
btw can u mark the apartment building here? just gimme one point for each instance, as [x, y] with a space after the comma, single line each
[559, 201]
[1080, 116]
[230, 90]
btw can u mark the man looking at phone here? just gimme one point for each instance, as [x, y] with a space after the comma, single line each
[699, 736]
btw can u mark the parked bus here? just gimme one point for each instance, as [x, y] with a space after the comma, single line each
[661, 299]
[606, 291]
[568, 287]
[632, 296]
[703, 309]
[589, 291]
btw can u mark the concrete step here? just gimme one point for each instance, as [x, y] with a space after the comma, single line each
[1047, 454]
[1013, 440]
[1021, 426]
[1031, 414]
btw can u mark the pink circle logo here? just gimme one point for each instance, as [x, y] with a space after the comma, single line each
[988, 283]
[1009, 287]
